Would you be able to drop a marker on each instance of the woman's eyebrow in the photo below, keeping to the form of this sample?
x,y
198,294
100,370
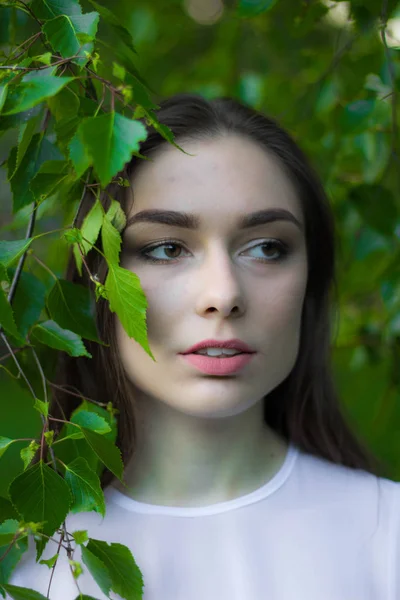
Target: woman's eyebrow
x,y
191,221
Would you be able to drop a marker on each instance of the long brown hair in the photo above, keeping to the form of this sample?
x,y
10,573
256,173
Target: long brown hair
x,y
305,408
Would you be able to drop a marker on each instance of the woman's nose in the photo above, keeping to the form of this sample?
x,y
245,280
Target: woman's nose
x,y
220,288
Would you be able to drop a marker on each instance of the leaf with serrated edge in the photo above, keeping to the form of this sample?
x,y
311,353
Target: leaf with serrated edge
x,y
4,444
111,240
126,577
51,334
41,495
98,570
110,140
91,420
128,300
107,452
32,91
21,593
85,487
11,250
7,320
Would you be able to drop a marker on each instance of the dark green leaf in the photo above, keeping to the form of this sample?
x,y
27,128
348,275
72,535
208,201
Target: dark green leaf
x,y
112,20
126,578
62,33
251,8
70,305
369,200
20,593
85,487
41,495
25,136
98,570
51,334
107,452
49,178
7,320
29,300
47,9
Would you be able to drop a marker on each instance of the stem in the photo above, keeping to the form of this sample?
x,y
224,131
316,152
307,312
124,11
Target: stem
x,y
75,221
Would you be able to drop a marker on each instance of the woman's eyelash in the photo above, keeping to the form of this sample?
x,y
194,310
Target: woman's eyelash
x,y
281,246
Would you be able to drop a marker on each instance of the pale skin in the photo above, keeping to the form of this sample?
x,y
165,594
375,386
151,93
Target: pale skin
x,y
202,439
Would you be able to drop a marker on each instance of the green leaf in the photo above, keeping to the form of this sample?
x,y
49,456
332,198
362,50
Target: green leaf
x,y
3,95
110,18
28,453
65,105
12,250
111,240
41,495
91,420
42,407
38,151
32,91
50,562
8,529
49,178
26,132
98,570
13,556
355,116
110,141
90,231
47,9
116,216
70,306
51,334
85,487
81,535
7,318
251,8
127,299
21,593
126,578
29,300
62,33
107,452
4,444
78,154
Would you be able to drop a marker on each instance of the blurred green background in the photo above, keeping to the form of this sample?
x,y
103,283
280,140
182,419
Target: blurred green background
x,y
324,71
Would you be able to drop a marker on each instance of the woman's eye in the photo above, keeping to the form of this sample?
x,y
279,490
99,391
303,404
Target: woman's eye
x,y
169,252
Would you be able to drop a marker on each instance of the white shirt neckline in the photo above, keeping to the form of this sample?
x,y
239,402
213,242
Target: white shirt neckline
x,y
114,495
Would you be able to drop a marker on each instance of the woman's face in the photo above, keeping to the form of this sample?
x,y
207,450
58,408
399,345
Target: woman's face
x,y
217,280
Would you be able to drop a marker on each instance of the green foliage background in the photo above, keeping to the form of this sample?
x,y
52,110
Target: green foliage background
x,y
334,86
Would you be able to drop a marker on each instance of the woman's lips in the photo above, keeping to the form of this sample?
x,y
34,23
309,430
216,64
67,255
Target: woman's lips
x,y
218,366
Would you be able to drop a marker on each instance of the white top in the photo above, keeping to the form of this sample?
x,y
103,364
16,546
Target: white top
x,y
315,531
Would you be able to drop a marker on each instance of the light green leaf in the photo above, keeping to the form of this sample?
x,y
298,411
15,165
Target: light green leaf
x,y
128,300
85,487
110,141
90,231
8,529
70,306
42,407
33,91
28,453
111,240
126,577
50,562
91,420
116,215
81,535
41,495
51,334
13,556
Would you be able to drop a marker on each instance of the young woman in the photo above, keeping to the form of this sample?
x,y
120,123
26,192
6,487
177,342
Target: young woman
x,y
243,480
